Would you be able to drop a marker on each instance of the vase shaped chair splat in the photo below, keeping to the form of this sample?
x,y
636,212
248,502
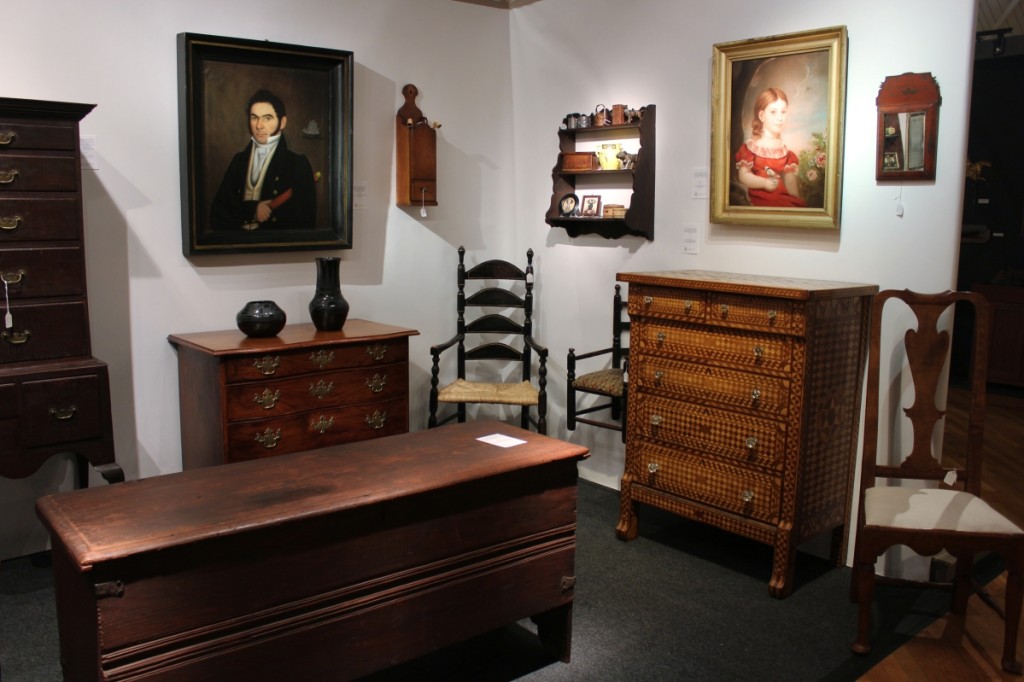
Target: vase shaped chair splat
x,y
495,351
935,503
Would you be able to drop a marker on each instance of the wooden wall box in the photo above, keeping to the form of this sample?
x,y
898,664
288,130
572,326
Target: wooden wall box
x,y
322,565
244,398
416,162
54,396
744,405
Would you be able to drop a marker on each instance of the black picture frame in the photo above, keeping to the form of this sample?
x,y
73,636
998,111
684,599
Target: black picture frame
x,y
568,205
217,76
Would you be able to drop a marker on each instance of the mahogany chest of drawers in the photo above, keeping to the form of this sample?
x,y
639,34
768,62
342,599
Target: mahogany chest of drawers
x,y
321,565
54,397
744,405
245,398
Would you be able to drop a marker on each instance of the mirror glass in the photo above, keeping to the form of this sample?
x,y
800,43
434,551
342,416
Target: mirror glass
x,y
904,141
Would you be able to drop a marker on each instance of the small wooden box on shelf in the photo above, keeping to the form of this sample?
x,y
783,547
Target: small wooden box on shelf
x,y
574,164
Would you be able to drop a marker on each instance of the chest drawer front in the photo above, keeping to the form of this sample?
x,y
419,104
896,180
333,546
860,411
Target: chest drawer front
x,y
771,314
722,433
317,391
48,172
293,363
747,350
46,331
61,410
739,490
316,429
28,219
36,273
19,135
676,303
764,394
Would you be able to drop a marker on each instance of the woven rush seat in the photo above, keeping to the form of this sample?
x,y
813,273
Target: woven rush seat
x,y
604,381
462,391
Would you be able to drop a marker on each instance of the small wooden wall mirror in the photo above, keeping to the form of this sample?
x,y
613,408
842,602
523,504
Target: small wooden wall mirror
x,y
908,127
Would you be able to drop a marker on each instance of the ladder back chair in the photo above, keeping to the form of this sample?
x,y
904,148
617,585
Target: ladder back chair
x,y
610,382
939,505
500,337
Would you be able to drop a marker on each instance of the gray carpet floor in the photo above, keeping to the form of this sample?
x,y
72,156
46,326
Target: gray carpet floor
x,y
681,602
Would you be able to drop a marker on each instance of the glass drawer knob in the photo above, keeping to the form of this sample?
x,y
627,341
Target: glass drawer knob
x,y
653,468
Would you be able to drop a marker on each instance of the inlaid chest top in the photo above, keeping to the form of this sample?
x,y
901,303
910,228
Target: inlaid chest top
x,y
761,285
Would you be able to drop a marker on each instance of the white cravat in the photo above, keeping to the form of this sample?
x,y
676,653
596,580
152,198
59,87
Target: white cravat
x,y
260,154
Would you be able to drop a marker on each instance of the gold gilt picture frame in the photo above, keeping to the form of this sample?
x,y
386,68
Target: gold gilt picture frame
x,y
778,106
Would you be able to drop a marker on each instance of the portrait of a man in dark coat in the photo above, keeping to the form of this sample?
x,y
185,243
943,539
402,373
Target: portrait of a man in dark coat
x,y
266,185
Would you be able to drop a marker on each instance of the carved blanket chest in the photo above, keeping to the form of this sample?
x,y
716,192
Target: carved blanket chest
x,y
744,405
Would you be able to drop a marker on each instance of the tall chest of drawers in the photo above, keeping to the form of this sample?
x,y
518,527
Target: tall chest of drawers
x,y
249,398
744,405
54,396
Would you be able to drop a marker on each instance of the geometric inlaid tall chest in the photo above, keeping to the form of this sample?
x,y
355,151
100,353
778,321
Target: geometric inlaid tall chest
x,y
744,405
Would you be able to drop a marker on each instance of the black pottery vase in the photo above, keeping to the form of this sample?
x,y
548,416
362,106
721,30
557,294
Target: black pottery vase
x,y
260,319
328,309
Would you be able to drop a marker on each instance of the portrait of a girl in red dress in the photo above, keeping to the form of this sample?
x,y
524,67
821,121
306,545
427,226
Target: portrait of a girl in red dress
x,y
764,165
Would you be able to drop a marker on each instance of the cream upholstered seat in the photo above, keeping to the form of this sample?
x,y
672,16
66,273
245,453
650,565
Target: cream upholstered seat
x,y
609,382
935,503
501,337
933,509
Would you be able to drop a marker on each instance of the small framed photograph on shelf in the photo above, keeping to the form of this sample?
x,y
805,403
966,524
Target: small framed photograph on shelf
x,y
569,205
591,207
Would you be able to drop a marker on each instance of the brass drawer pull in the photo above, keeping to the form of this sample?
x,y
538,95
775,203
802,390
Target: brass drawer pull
x,y
687,305
322,358
658,376
8,136
267,400
63,413
660,337
322,424
269,438
724,309
751,445
772,315
653,468
648,300
321,389
755,395
377,351
12,277
16,338
267,365
656,420
377,419
10,222
8,176
758,352
377,382
747,496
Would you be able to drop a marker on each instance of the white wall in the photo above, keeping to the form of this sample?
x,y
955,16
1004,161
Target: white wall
x,y
499,82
